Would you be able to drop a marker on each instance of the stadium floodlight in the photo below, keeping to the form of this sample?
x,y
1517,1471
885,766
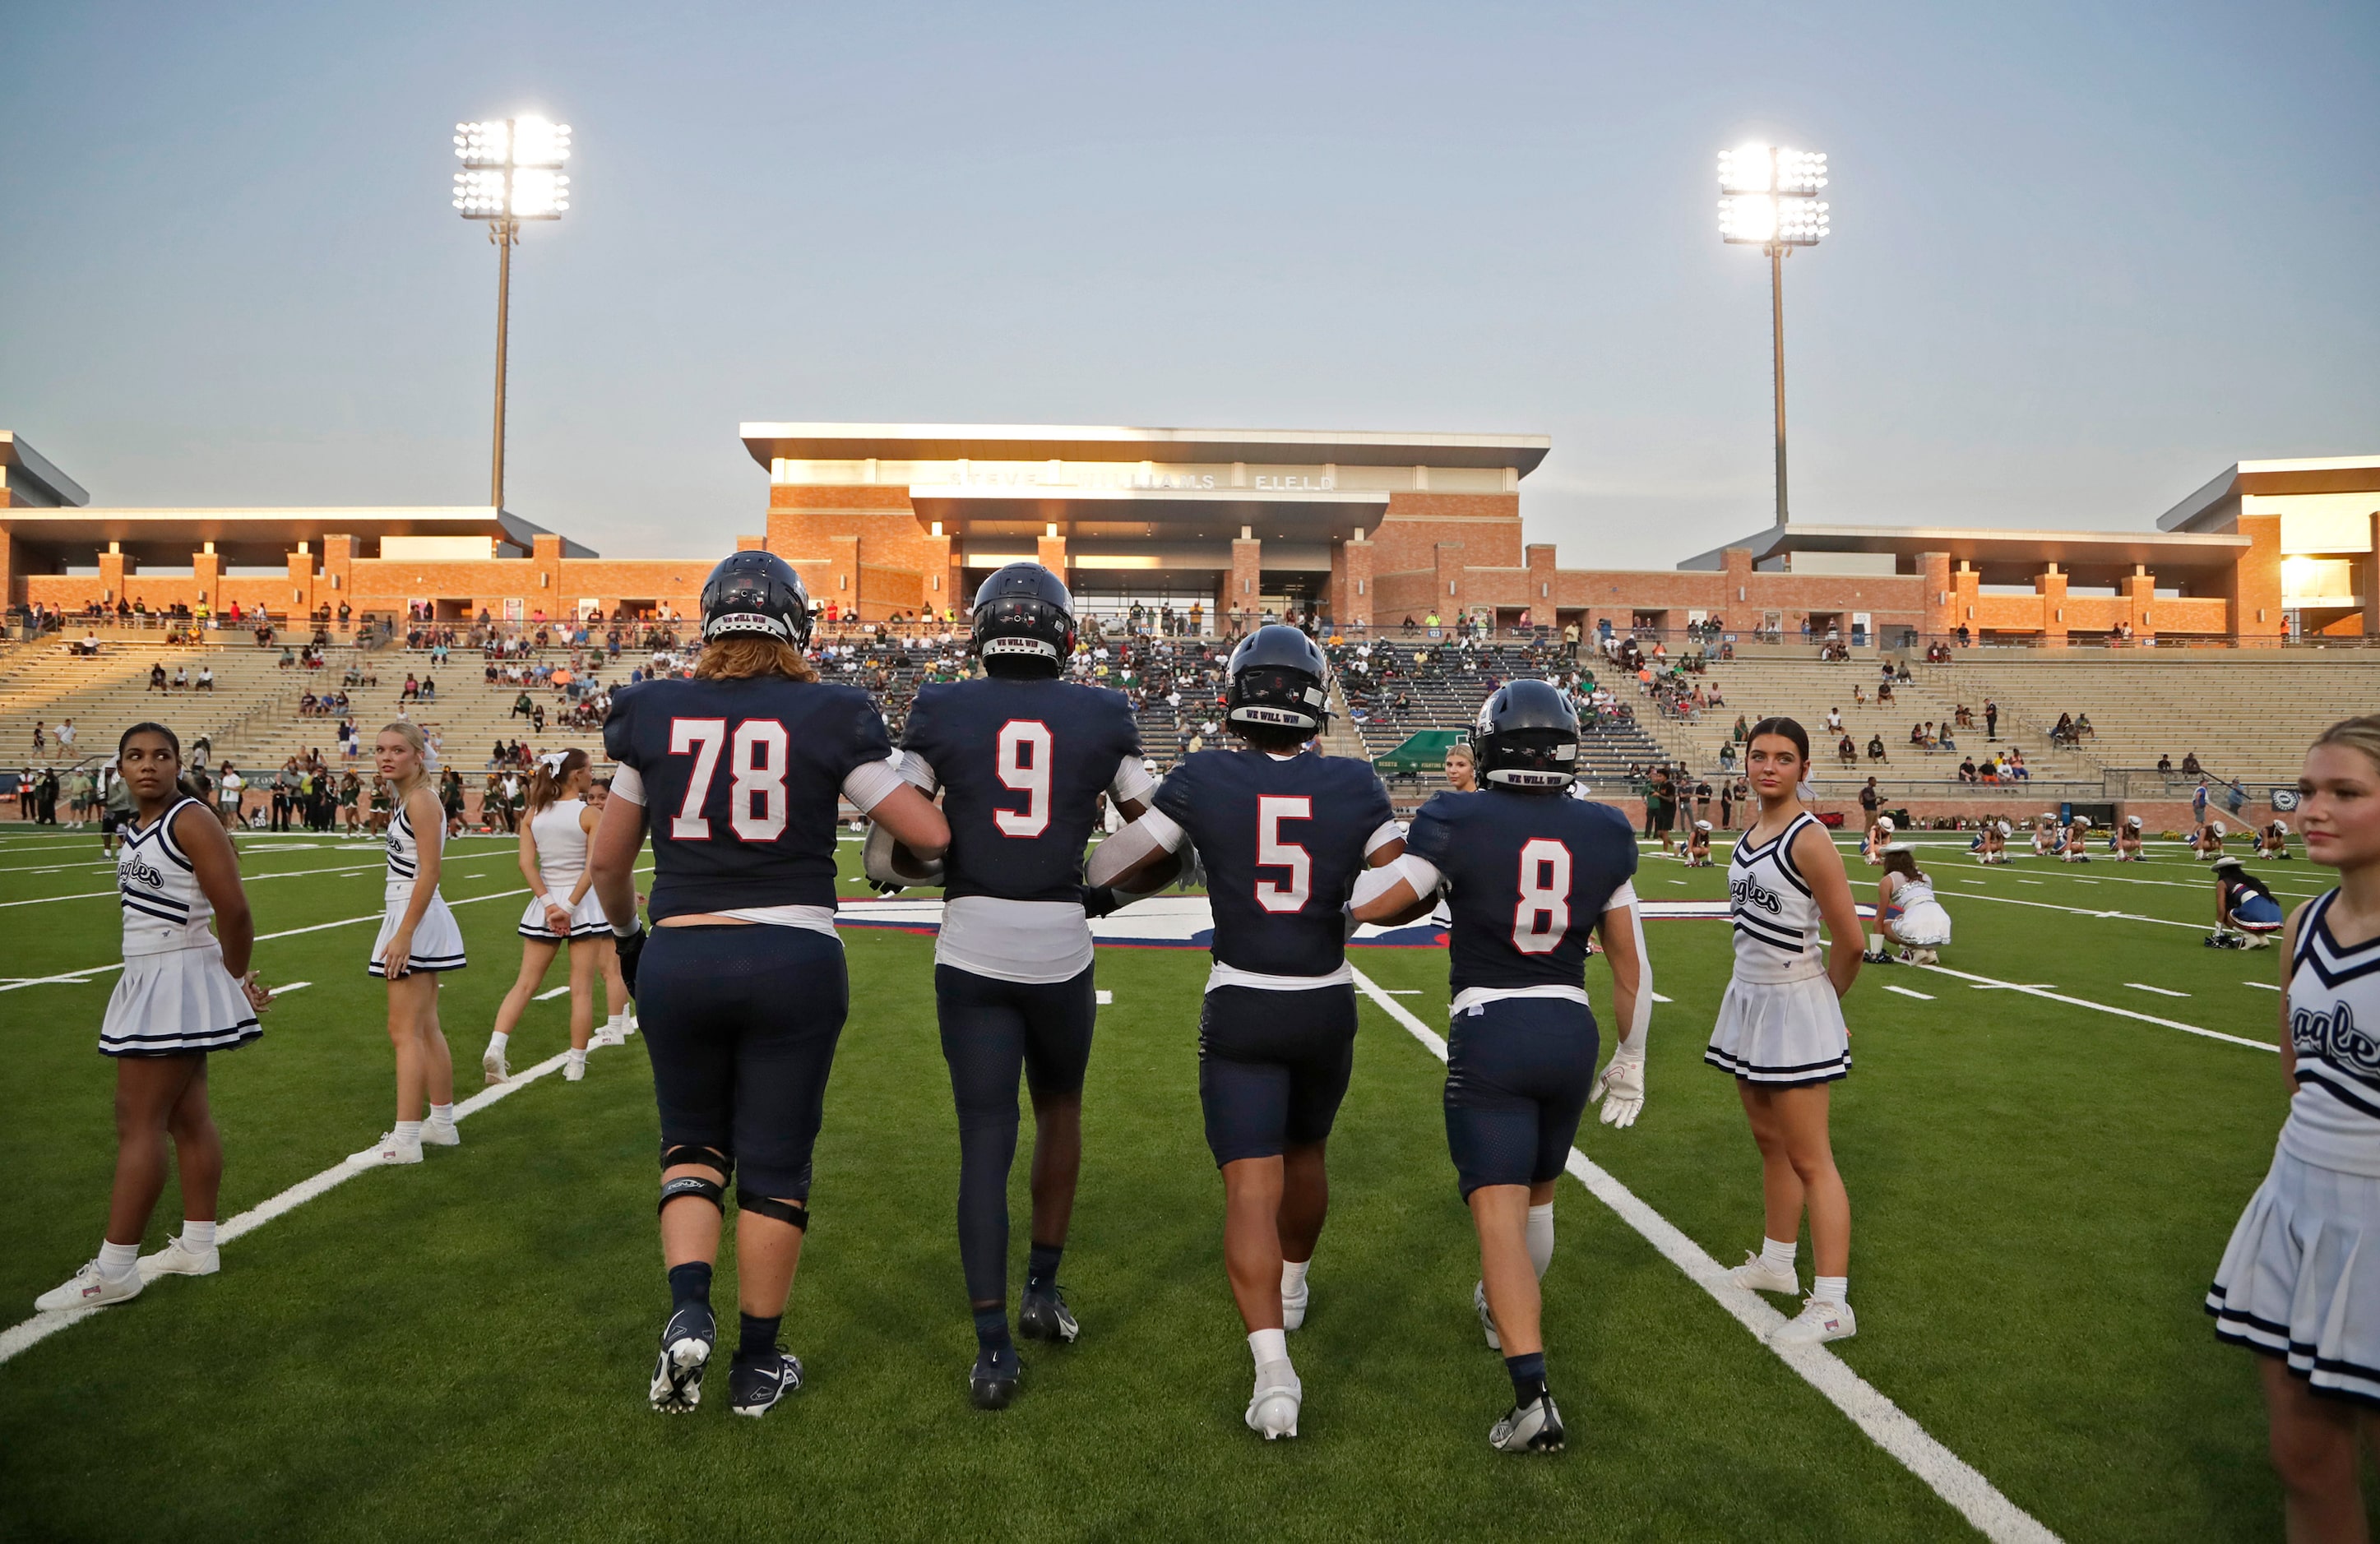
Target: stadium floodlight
x,y
1769,198
513,173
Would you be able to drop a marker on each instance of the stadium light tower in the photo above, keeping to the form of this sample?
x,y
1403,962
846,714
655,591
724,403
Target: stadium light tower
x,y
515,174
1769,198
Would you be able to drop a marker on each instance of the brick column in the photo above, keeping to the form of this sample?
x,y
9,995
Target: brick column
x,y
2369,590
301,582
1541,599
2051,586
842,587
1355,600
2140,597
115,570
11,593
1243,598
2254,589
206,568
1942,601
937,577
1446,581
1050,552
751,544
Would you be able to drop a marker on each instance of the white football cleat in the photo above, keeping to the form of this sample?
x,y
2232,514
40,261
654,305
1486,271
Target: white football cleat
x,y
1293,1309
88,1289
491,1062
1816,1323
1755,1274
1486,1319
387,1151
439,1133
178,1260
1272,1409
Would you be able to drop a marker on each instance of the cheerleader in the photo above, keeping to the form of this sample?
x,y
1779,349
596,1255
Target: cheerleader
x,y
1906,909
2046,840
2127,840
2071,847
1992,848
418,942
185,992
2209,841
562,908
619,1007
2275,843
2294,1283
1698,845
2246,915
1872,845
1780,1029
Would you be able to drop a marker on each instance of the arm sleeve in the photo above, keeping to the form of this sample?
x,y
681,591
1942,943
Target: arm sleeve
x,y
1132,780
1624,896
1382,834
918,772
629,784
1418,872
1153,832
869,783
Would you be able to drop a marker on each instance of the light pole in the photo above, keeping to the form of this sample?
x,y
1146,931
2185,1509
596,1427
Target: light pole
x,y
1769,198
514,175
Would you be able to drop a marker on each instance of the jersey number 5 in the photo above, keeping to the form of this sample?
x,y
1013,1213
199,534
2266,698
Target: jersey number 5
x,y
756,797
1024,765
1542,915
1273,852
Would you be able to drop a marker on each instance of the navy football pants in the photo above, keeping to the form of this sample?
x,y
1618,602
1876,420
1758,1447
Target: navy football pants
x,y
1273,1066
1518,1072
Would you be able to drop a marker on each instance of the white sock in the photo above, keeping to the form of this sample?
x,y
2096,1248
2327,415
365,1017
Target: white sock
x,y
618,1021
119,1260
1831,1289
409,1131
1876,942
1779,1255
1541,1237
198,1237
577,1056
1268,1346
443,1114
1292,1277
498,1041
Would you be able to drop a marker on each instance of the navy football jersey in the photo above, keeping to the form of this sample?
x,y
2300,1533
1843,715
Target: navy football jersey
x,y
741,781
1527,878
1282,842
1022,764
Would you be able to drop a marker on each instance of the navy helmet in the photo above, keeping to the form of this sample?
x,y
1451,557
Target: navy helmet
x,y
1023,621
1277,679
756,592
1527,737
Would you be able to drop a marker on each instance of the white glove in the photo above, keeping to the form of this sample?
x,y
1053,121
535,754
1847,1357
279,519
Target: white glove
x,y
1620,1089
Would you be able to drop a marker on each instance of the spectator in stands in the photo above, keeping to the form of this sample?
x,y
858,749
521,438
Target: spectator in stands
x,y
2014,767
1876,749
2191,767
157,676
2082,729
1884,689
1834,722
41,739
1847,752
1967,771
2165,762
1917,736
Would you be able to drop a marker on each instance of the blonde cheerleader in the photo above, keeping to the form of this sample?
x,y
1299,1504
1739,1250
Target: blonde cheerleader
x,y
186,991
562,908
2127,840
418,942
2073,847
1698,851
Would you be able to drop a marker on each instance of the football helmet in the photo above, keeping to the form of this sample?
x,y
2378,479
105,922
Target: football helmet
x,y
1278,678
1023,621
758,593
1527,737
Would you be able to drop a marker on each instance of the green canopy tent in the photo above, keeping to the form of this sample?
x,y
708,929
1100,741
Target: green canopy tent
x,y
1421,752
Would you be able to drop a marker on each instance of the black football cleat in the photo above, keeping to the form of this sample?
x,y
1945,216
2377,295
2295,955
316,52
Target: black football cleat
x,y
754,1388
993,1384
1045,1315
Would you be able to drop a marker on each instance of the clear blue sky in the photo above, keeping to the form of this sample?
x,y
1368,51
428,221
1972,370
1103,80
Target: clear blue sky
x,y
2085,255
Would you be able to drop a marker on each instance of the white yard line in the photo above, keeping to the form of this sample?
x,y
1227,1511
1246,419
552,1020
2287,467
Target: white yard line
x,y
41,1326
245,879
1988,982
2087,911
2266,986
1921,996
544,997
2160,991
1885,1423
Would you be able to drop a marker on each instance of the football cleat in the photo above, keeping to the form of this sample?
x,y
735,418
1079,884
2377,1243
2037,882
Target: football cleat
x,y
993,1384
1486,1318
1045,1315
687,1341
439,1133
491,1062
1293,1309
388,1149
754,1388
1273,1409
1534,1427
1816,1323
1755,1274
88,1289
176,1259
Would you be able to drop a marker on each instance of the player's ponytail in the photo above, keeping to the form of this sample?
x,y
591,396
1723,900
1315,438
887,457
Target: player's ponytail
x,y
554,773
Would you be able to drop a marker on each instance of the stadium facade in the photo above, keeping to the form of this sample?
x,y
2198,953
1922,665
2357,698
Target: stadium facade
x,y
894,520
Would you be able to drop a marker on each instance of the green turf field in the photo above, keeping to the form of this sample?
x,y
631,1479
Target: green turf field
x,y
2040,1191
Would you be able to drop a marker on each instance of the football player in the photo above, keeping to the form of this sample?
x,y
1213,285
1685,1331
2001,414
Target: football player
x,y
740,769
1531,874
1282,832
1022,758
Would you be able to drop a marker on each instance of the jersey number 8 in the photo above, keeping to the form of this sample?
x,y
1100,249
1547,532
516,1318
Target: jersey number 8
x,y
756,797
1545,897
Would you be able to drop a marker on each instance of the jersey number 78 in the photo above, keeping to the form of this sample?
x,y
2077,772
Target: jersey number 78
x,y
755,796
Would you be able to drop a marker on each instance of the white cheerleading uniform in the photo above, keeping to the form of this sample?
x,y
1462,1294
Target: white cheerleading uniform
x,y
1916,917
2293,1283
1781,1024
176,996
561,859
437,942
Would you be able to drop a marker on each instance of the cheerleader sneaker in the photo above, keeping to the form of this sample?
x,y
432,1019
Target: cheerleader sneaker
x,y
387,1151
1757,1274
491,1062
574,1069
1816,1324
177,1258
439,1133
91,1289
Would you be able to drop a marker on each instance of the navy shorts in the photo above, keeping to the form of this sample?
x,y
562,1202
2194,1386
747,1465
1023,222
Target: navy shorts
x,y
741,1024
1518,1071
1273,1066
991,1029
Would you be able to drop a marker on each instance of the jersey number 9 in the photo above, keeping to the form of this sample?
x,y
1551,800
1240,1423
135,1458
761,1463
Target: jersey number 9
x,y
755,796
1024,765
1542,916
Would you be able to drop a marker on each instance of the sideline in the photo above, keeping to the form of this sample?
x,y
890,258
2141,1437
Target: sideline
x,y
1885,1423
24,1336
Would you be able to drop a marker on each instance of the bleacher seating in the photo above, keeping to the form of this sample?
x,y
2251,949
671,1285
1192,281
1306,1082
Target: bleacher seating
x,y
1406,686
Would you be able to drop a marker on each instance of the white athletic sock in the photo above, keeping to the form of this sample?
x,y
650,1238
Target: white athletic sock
x,y
409,1131
1268,1346
119,1260
1293,1276
577,1056
443,1114
498,1041
1541,1237
1831,1289
618,1021
198,1237
1876,942
1779,1255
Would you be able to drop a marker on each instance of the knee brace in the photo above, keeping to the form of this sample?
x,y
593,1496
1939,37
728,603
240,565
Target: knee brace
x,y
712,1190
768,1206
